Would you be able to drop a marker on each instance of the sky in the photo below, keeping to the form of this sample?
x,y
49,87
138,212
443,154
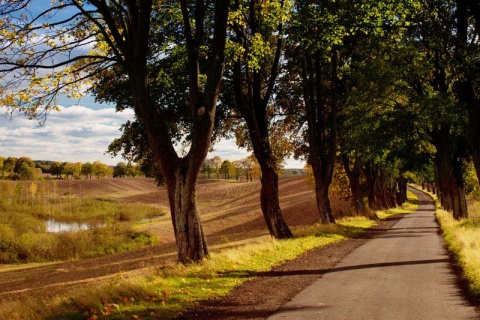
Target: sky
x,y
81,132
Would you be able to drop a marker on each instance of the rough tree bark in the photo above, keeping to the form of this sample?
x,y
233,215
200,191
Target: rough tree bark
x,y
321,114
466,90
353,173
259,137
448,162
371,174
401,190
253,90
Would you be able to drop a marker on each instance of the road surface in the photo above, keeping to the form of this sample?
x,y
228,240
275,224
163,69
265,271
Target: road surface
x,y
402,274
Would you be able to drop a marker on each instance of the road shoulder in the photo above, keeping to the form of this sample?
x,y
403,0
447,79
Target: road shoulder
x,y
262,296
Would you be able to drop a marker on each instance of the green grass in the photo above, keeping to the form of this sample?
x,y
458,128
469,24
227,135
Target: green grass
x,y
462,238
23,236
33,246
164,292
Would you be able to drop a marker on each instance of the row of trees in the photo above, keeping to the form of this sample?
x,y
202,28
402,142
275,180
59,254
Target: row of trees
x,y
24,168
226,169
386,87
77,170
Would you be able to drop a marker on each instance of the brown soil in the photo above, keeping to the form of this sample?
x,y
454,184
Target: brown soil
x,y
231,216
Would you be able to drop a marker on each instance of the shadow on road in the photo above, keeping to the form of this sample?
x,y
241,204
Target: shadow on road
x,y
280,273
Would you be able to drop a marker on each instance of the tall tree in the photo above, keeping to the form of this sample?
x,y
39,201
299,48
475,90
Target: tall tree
x,y
216,164
130,42
317,64
257,44
467,16
429,64
328,39
87,170
120,170
101,170
68,169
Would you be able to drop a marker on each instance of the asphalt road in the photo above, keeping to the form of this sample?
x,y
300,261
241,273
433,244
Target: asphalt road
x,y
403,273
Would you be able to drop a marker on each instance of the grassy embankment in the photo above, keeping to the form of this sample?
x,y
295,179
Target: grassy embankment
x,y
463,242
24,208
164,292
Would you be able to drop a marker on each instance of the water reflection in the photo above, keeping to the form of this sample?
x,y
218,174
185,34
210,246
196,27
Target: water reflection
x,y
54,226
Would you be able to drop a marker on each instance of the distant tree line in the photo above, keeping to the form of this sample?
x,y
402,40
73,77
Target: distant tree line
x,y
24,168
245,169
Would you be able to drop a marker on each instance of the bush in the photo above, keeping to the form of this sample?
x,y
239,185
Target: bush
x,y
23,236
41,247
7,244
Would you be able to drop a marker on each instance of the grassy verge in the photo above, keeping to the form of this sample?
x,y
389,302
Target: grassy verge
x,y
462,238
164,292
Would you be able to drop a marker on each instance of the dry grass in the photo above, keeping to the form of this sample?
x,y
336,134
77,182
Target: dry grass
x,y
462,238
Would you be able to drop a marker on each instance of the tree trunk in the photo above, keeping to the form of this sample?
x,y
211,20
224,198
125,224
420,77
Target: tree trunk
x,y
468,96
448,161
181,174
389,200
321,113
459,203
353,174
189,235
253,92
371,173
474,138
270,204
465,87
401,190
323,201
381,192
269,197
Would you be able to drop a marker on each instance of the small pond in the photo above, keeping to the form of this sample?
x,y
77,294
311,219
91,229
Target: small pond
x,y
54,226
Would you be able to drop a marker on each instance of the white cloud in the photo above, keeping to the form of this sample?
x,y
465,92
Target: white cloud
x,y
81,134
74,134
228,150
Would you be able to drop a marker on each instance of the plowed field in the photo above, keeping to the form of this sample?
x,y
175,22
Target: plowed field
x,y
230,212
